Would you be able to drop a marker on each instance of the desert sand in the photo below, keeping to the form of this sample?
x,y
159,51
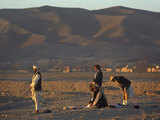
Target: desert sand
x,y
16,103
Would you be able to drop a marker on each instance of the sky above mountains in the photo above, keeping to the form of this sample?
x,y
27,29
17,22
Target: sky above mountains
x,y
151,5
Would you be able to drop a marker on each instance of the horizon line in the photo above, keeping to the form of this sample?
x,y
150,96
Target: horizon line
x,y
77,8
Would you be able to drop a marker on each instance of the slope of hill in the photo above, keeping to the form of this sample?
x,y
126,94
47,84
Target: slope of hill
x,y
111,35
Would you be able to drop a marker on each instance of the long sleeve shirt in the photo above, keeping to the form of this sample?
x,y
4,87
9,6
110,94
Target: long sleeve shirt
x,y
98,78
122,81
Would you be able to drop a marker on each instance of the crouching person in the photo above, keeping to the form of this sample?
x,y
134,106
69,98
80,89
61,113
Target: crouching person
x,y
36,88
98,98
125,85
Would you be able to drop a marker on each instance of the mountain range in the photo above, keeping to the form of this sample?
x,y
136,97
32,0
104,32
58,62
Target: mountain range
x,y
74,35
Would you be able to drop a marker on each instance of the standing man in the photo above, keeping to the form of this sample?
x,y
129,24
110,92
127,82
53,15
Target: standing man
x,y
125,85
36,87
98,98
98,77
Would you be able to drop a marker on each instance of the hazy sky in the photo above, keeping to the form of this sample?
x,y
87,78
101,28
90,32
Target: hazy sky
x,y
152,5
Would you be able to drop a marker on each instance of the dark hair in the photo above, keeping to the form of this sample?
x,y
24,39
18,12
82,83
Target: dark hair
x,y
97,66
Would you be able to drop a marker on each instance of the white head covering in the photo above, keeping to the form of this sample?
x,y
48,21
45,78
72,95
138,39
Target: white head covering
x,y
35,67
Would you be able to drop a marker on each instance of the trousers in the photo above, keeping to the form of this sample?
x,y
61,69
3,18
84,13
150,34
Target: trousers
x,y
36,97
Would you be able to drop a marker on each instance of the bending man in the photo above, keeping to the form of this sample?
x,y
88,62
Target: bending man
x,y
125,85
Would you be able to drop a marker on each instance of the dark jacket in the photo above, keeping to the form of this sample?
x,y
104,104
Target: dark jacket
x,y
97,93
123,82
98,78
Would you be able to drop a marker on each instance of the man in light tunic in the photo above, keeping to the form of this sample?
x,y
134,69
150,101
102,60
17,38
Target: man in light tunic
x,y
36,88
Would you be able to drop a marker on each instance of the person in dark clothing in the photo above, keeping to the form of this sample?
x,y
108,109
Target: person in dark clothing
x,y
98,98
98,77
124,84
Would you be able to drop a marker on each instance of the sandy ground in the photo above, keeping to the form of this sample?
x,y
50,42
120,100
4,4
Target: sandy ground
x,y
16,103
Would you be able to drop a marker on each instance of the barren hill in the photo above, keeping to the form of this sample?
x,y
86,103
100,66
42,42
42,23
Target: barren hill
x,y
111,35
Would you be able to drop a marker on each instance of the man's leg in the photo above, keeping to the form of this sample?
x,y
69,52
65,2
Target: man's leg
x,y
37,102
34,99
125,96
